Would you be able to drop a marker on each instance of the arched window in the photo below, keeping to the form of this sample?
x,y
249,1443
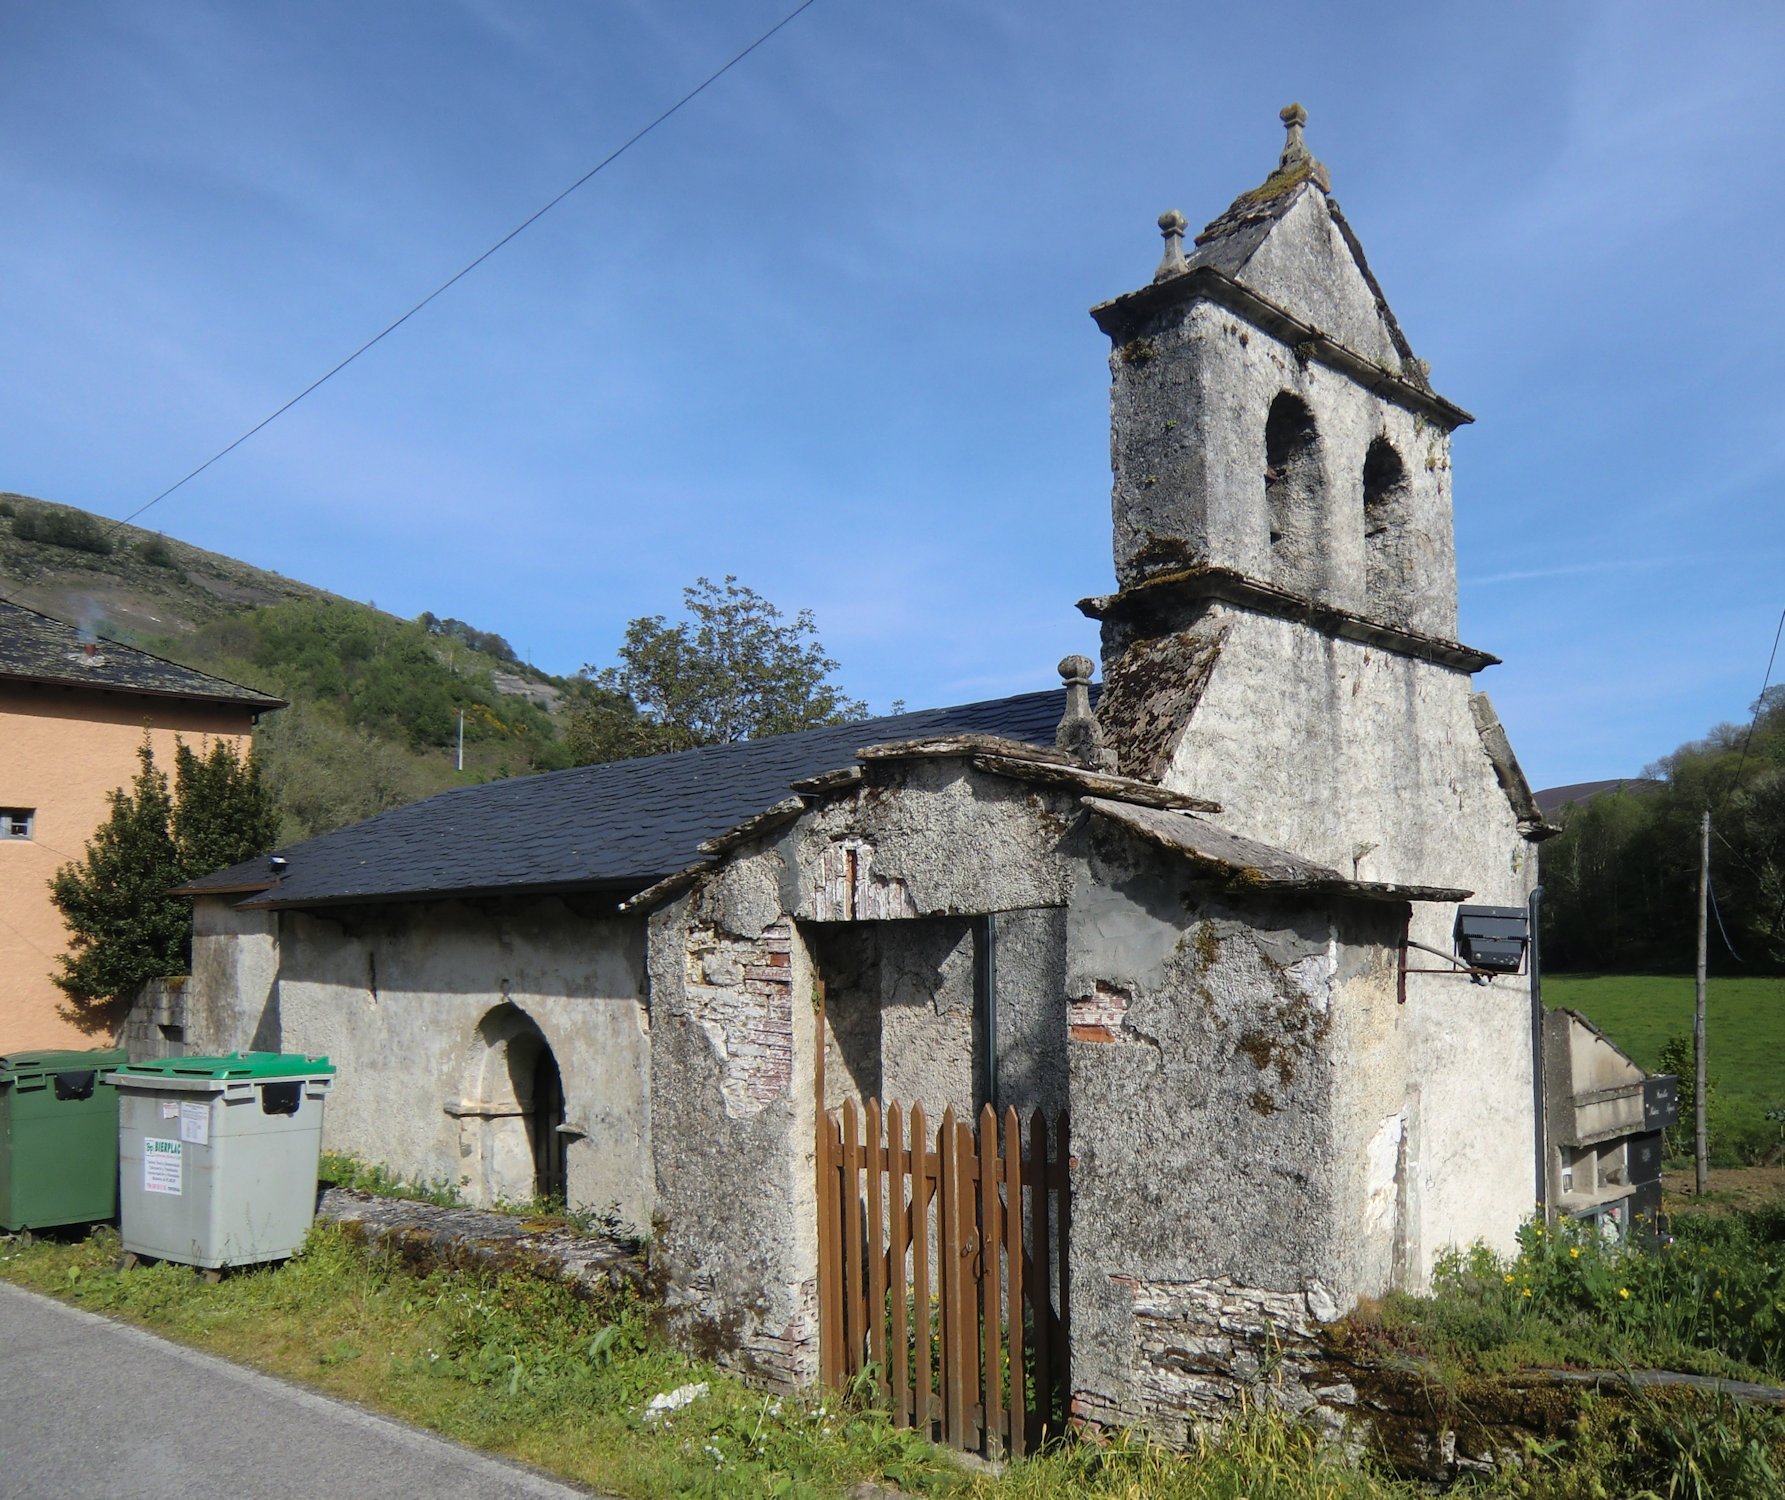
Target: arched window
x,y
1292,490
1387,563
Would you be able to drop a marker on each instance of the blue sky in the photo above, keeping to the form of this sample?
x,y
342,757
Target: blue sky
x,y
826,328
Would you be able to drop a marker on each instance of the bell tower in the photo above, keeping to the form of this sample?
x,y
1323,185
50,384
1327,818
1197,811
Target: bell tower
x,y
1269,419
1283,635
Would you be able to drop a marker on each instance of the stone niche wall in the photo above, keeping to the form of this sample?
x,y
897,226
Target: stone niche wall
x,y
433,1012
418,1005
1212,1183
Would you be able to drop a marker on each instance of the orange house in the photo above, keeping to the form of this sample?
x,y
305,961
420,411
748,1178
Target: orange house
x,y
72,713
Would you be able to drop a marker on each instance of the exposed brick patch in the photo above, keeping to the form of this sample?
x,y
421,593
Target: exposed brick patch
x,y
1100,1016
749,1022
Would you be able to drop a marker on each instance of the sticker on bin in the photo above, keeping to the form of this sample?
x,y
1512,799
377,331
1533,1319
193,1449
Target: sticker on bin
x,y
170,1109
195,1123
162,1166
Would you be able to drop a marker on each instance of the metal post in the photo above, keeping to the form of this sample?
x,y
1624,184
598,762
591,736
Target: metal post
x,y
1700,1163
461,765
1539,1114
988,989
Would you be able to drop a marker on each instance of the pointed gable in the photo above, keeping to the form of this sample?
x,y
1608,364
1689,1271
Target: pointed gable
x,y
1287,241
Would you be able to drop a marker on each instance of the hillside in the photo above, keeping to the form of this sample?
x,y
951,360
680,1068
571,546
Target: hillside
x,y
375,700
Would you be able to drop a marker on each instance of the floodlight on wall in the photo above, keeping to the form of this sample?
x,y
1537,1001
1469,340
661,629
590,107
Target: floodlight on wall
x,y
1490,940
1493,939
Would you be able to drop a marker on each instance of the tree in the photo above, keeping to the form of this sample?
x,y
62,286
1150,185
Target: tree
x,y
736,669
124,925
1620,884
223,812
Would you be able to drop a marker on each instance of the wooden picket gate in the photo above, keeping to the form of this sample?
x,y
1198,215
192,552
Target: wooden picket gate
x,y
942,1270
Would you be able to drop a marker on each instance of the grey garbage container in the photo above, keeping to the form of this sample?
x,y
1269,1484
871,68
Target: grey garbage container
x,y
217,1156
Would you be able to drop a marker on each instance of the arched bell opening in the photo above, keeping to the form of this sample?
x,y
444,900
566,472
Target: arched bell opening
x,y
1294,491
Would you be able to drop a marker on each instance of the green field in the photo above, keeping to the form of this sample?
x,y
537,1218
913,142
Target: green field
x,y
1744,1023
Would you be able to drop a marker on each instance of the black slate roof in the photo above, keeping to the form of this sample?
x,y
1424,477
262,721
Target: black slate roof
x,y
616,827
36,648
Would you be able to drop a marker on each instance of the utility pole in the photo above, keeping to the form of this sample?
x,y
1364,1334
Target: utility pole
x,y
1701,1166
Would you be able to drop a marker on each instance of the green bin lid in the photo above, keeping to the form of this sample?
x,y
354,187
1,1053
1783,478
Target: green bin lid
x,y
235,1066
18,1065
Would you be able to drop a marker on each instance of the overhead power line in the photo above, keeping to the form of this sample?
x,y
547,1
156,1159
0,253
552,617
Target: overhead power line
x,y
1759,703
470,266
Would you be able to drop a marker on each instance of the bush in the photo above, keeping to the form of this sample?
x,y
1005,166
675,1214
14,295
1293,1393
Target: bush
x,y
1711,1301
155,552
73,529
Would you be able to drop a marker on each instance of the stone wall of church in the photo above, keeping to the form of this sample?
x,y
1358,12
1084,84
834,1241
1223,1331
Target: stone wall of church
x,y
1223,1203
1371,762
434,1013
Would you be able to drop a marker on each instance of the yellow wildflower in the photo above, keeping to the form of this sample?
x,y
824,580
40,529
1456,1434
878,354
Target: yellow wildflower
x,y
1574,1252
1509,1278
1526,1292
1624,1292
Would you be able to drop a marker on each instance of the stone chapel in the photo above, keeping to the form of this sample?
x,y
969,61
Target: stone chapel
x,y
1216,918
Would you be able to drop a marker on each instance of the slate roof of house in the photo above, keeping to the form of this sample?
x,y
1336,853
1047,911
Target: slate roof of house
x,y
36,648
617,827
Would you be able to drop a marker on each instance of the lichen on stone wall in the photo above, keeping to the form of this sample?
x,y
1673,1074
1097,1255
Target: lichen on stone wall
x,y
1149,695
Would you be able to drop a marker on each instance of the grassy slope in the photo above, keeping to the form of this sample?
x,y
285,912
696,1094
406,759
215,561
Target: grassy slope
x,y
181,607
1744,1021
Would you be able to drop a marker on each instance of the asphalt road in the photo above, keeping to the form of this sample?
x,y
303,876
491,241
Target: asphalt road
x,y
89,1407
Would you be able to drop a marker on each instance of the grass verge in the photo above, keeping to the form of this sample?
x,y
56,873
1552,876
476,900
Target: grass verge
x,y
537,1371
563,1379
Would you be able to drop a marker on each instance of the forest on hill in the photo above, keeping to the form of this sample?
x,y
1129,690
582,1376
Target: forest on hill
x,y
1620,884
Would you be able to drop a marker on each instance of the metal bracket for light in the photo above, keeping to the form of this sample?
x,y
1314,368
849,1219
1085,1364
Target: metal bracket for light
x,y
1491,940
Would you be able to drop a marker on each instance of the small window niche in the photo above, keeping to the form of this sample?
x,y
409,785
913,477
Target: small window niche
x,y
17,822
1293,495
1388,563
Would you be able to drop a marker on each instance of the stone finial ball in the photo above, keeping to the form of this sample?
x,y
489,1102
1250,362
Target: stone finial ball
x,y
1077,669
1172,222
1293,114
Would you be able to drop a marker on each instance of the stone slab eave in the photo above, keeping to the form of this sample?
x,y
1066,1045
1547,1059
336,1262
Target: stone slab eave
x,y
1020,762
1246,864
1161,598
1533,827
1123,317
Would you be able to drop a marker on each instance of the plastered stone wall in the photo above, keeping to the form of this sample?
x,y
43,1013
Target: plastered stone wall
x,y
905,1010
416,1005
734,1118
231,1001
883,891
1371,762
1220,1198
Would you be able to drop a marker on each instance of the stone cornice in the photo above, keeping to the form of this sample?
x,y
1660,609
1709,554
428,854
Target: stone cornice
x,y
1123,317
1162,599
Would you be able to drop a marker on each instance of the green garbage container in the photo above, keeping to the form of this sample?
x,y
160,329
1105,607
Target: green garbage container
x,y
217,1156
58,1138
